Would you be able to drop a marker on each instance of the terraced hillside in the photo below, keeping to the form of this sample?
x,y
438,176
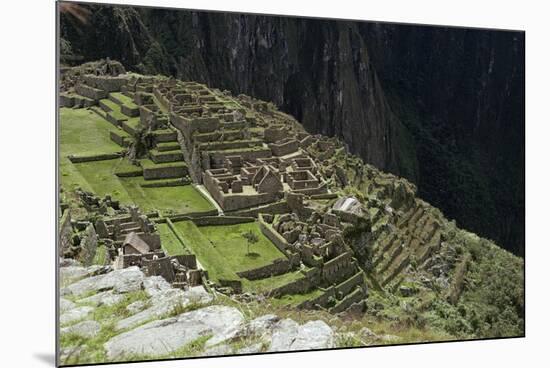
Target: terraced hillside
x,y
200,187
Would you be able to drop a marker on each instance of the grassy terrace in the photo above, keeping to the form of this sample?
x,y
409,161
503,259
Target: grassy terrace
x,y
270,283
81,132
84,132
100,177
222,251
116,112
295,299
124,99
170,243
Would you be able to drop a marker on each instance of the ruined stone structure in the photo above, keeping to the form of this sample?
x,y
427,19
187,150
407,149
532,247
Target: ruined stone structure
x,y
255,162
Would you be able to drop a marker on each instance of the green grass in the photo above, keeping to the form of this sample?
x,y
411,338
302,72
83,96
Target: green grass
x,y
100,255
222,250
133,123
169,241
81,132
107,316
116,111
270,283
295,299
99,177
148,164
124,99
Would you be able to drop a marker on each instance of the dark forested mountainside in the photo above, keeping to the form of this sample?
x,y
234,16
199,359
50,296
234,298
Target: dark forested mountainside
x,y
443,107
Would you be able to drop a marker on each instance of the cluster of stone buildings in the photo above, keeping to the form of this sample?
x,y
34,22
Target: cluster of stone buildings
x,y
253,160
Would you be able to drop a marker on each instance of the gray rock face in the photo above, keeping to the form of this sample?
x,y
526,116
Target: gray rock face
x,y
73,351
135,307
165,336
389,338
85,329
74,314
71,273
252,349
164,302
121,281
155,284
262,325
288,335
65,262
104,298
65,305
218,350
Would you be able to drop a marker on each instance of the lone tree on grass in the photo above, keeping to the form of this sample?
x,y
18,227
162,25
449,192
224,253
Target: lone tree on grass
x,y
251,239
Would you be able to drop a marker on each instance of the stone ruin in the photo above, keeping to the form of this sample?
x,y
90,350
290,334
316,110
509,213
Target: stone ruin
x,y
253,160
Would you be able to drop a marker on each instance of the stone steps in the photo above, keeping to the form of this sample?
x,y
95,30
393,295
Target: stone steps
x,y
165,136
120,137
382,254
166,156
406,217
127,106
397,266
412,222
130,126
395,252
423,253
171,170
168,146
420,225
377,242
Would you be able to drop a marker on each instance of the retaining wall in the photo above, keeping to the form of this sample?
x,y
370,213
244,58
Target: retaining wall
x,y
277,267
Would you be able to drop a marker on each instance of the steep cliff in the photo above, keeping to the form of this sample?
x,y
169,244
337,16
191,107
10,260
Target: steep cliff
x,y
442,107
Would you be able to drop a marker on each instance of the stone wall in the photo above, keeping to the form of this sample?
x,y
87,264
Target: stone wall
x,y
99,157
320,301
278,207
90,92
356,296
221,220
164,172
345,287
65,233
66,100
88,246
187,260
106,83
159,267
337,267
270,233
192,215
300,286
236,285
277,267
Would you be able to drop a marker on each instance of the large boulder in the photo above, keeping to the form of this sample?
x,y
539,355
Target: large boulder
x,y
165,336
164,302
288,335
108,297
65,305
121,281
155,284
84,329
69,274
75,314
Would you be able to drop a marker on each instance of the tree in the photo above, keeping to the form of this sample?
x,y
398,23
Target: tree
x,y
251,239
